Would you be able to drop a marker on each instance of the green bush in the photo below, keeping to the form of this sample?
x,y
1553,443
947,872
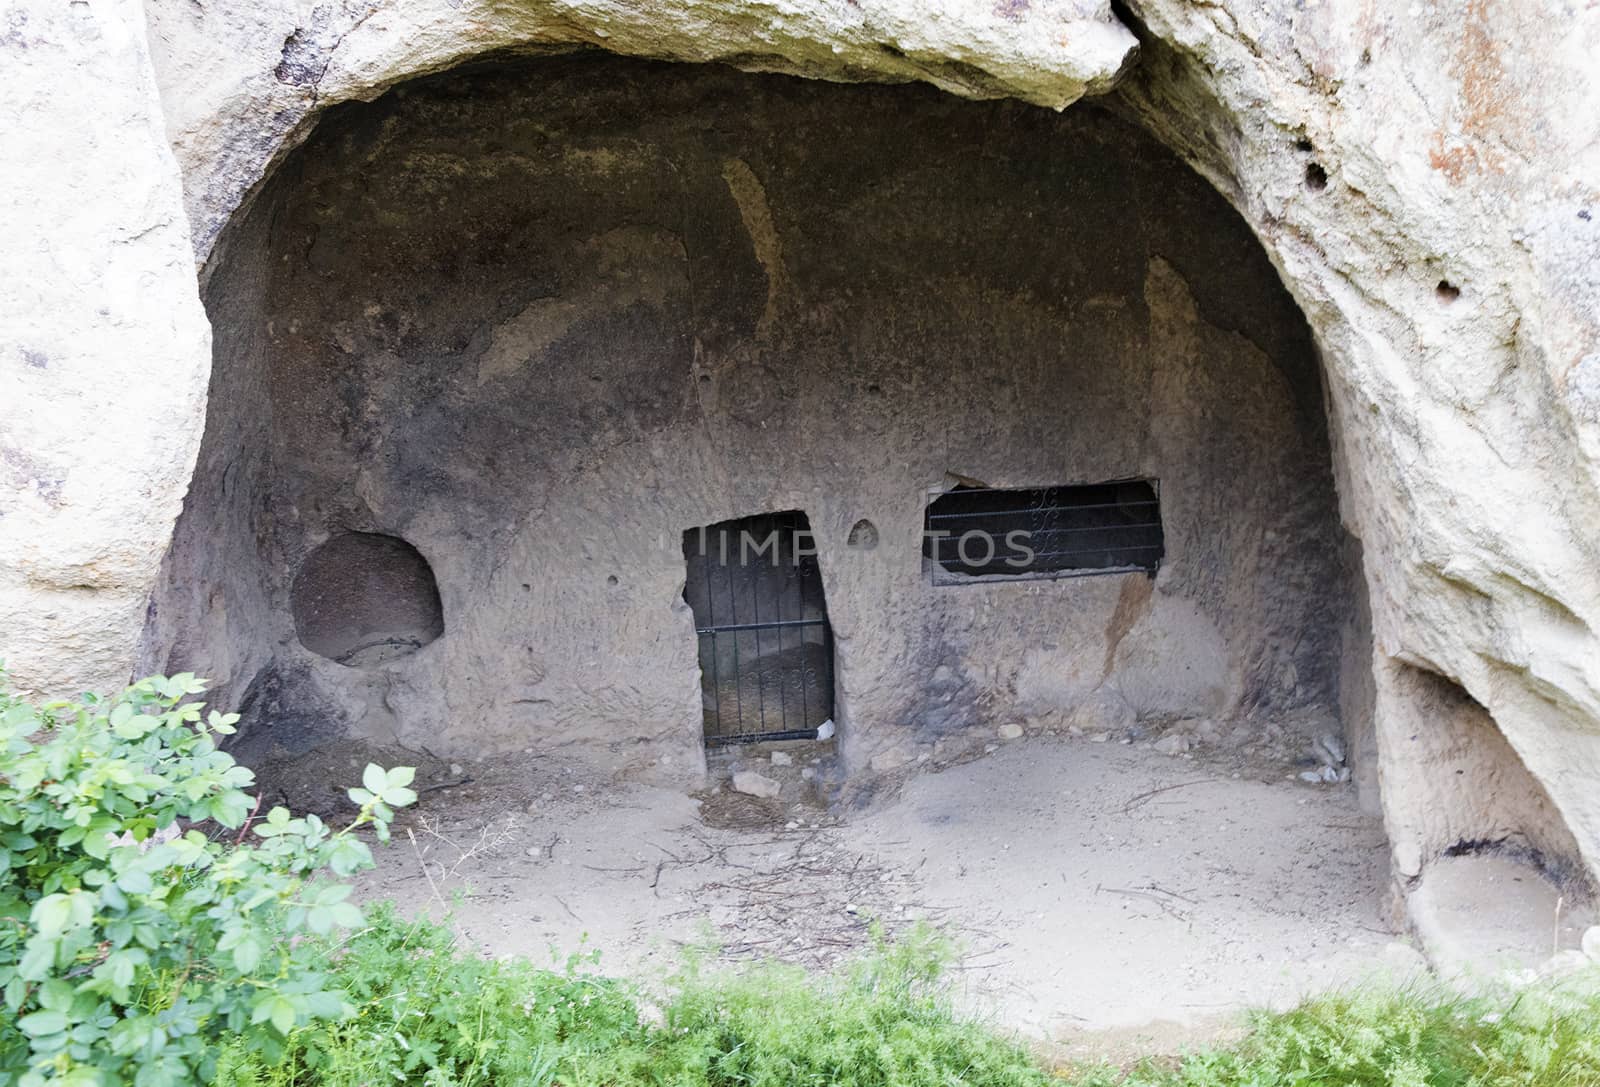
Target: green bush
x,y
127,955
424,1011
1546,1036
882,1021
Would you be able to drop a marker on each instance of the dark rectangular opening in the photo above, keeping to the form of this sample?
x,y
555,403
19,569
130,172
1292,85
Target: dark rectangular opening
x,y
1021,532
766,649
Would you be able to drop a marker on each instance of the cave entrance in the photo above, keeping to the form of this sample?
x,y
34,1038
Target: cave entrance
x,y
761,620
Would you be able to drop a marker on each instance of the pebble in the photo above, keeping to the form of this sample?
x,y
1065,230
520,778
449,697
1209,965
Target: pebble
x,y
782,758
791,825
753,784
455,770
536,851
989,749
578,788
1009,731
807,774
1100,737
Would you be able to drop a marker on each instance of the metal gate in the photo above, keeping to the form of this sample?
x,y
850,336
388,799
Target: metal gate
x,y
766,650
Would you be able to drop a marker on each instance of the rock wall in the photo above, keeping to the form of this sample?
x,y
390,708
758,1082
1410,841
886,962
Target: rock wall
x,y
539,321
104,349
1419,178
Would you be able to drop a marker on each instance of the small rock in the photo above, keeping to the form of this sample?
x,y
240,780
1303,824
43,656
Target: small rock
x,y
825,730
1009,731
791,825
1591,942
753,784
533,807
1408,859
1333,746
1173,743
455,770
547,797
1311,777
850,907
536,851
782,758
1100,737
807,774
989,749
579,788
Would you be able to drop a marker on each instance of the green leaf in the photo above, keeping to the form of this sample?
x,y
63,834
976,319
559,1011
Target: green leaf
x,y
277,1009
398,796
373,778
247,955
51,914
48,1021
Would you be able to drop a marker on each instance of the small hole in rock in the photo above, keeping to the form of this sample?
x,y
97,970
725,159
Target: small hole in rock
x,y
1302,144
1448,292
611,579
705,379
1316,177
362,599
863,536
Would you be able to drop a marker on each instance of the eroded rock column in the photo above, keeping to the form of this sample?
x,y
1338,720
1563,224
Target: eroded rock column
x,y
104,348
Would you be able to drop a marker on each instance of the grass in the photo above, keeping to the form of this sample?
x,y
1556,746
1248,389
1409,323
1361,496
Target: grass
x,y
424,1012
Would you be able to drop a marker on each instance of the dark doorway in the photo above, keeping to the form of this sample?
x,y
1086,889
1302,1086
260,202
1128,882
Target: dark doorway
x,y
766,650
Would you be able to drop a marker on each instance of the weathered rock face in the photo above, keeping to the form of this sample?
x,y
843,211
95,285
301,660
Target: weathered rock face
x,y
540,321
1408,175
104,349
1418,177
241,81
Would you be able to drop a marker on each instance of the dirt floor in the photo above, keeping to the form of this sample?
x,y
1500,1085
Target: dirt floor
x,y
1092,886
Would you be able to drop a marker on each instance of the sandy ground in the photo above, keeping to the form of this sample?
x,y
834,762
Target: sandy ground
x,y
1091,886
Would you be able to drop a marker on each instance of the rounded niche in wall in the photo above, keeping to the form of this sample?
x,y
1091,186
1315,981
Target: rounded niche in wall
x,y
362,599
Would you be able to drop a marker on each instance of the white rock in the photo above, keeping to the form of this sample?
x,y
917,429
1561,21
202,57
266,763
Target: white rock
x,y
782,758
1173,743
754,784
825,730
1009,731
456,770
807,774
